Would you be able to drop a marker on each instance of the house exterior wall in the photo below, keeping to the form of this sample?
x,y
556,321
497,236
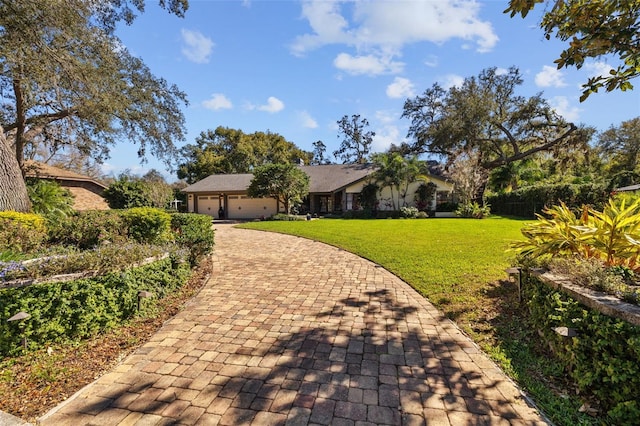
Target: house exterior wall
x,y
389,198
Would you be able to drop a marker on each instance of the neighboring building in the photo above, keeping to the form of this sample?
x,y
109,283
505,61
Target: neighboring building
x,y
333,188
87,191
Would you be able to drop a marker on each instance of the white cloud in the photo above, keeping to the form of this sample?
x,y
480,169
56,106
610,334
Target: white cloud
x,y
387,26
366,65
550,77
387,133
431,61
562,106
452,80
307,121
217,102
400,88
272,106
197,47
598,69
501,71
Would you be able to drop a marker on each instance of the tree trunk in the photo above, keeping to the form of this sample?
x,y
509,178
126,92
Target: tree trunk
x,y
13,190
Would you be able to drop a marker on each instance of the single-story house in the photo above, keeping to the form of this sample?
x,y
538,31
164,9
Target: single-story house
x,y
87,191
333,188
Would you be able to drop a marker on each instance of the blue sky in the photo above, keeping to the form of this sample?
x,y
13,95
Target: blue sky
x,y
297,67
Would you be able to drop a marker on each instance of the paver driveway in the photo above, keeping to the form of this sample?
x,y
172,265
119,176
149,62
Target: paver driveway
x,y
291,331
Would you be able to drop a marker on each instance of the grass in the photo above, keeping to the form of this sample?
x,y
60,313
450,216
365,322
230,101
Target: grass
x,y
459,265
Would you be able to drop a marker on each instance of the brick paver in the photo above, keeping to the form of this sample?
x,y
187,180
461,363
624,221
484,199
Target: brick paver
x,y
289,331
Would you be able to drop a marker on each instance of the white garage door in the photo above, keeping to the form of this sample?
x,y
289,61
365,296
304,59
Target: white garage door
x,y
243,207
208,205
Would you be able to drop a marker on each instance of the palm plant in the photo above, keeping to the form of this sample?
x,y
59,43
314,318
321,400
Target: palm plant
x,y
49,199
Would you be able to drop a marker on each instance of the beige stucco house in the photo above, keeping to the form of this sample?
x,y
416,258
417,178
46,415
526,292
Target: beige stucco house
x,y
333,188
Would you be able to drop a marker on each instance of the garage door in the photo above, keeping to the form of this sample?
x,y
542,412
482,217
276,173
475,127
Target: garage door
x,y
243,207
208,205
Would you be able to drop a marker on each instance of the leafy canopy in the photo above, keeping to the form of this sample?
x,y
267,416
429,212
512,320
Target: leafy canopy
x,y
285,182
66,79
226,150
593,29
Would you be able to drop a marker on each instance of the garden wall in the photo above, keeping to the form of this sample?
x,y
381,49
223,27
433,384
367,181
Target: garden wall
x,y
603,356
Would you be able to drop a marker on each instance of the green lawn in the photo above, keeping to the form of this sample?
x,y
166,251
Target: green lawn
x,y
450,261
459,265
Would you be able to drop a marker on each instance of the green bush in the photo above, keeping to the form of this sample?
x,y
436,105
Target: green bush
x,y
602,358
50,200
286,217
148,225
409,212
528,201
89,229
78,309
21,232
126,193
473,210
194,232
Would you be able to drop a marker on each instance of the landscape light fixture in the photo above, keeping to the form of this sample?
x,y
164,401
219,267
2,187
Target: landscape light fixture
x,y
143,295
21,316
516,273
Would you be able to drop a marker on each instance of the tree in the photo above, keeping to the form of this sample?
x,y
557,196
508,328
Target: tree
x,y
319,154
127,192
285,182
486,121
356,143
594,28
13,190
157,190
397,172
468,178
226,150
66,79
620,146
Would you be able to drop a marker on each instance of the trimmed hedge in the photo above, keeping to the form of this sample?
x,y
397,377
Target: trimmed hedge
x,y
527,201
194,232
88,229
21,232
79,309
603,359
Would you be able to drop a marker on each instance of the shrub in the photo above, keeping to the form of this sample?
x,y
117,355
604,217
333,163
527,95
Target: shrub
x,y
528,201
88,229
448,206
601,359
422,215
286,217
49,199
409,212
609,235
473,210
79,309
126,193
194,232
148,224
21,232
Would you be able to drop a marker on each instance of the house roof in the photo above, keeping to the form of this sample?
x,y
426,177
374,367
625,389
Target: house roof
x,y
331,177
45,171
221,183
322,179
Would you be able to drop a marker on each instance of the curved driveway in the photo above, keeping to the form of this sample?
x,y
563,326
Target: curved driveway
x,y
291,331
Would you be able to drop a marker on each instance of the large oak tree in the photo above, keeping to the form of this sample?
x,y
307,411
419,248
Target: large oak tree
x,y
65,79
593,29
226,150
486,120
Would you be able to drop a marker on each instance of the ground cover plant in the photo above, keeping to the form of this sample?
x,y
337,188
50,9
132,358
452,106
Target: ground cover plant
x,y
459,265
80,281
